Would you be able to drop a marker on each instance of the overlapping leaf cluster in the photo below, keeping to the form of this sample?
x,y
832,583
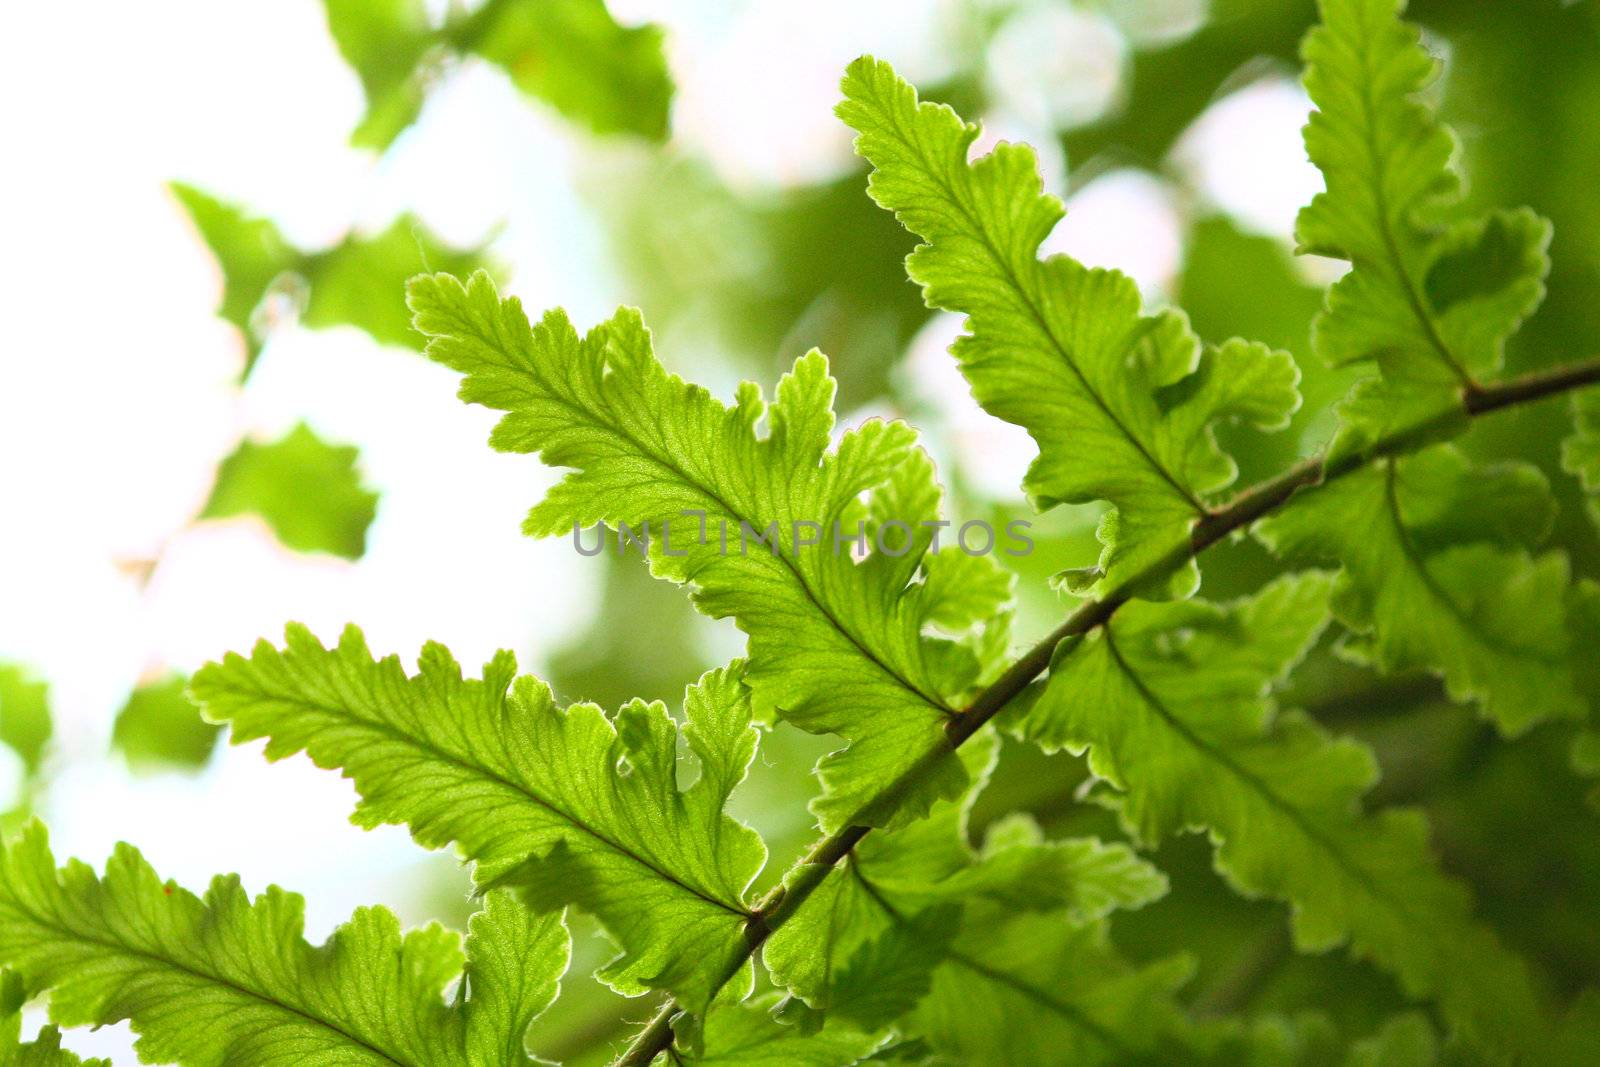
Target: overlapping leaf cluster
x,y
898,938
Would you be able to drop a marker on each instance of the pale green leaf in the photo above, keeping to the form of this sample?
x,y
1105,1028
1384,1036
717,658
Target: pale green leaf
x,y
222,981
307,490
1121,404
1437,569
159,727
386,43
567,803
573,55
836,646
1171,702
1432,293
25,724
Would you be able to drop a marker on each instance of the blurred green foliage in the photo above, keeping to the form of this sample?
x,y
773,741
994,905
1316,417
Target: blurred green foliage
x,y
307,490
359,282
569,53
24,716
159,729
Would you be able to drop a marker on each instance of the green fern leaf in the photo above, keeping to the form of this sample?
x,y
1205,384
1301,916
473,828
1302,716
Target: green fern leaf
x,y
1437,569
1170,700
530,792
1433,293
358,282
1121,404
835,646
911,927
221,980
307,490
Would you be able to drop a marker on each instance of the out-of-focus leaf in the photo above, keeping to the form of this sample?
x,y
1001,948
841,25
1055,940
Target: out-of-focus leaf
x,y
571,54
307,490
24,715
764,276
158,728
1169,87
1580,453
385,42
575,57
359,282
603,663
1405,1041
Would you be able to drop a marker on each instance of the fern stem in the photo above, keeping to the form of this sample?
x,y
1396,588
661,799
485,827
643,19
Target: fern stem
x,y
1238,514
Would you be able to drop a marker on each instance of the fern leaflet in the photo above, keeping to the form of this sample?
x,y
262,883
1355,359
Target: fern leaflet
x,y
1120,404
530,792
222,980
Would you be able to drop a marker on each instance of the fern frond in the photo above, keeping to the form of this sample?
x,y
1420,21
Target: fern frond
x,y
533,794
919,927
1170,700
1120,404
836,646
1433,292
1438,569
223,981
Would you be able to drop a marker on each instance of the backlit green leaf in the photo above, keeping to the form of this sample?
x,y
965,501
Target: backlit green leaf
x,y
534,794
221,980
